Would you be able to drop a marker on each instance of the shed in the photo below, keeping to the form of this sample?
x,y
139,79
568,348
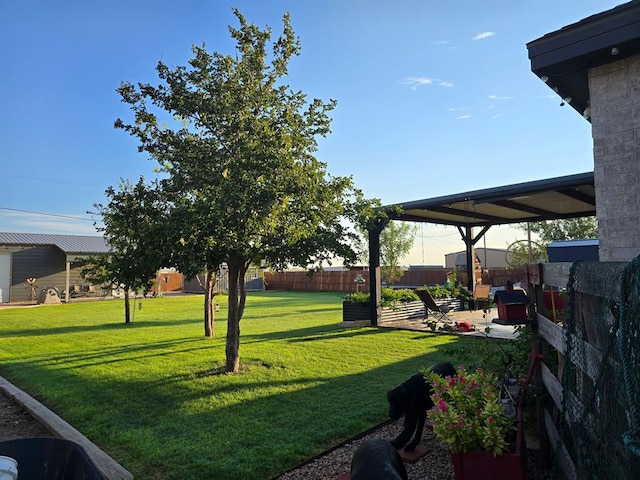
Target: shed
x,y
53,260
573,250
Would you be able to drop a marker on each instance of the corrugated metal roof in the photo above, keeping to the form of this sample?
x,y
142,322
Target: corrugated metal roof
x,y
66,243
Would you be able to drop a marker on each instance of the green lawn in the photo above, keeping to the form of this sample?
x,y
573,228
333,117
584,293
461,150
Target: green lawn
x,y
152,393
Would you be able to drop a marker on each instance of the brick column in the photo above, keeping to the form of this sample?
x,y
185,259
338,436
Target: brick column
x,y
615,119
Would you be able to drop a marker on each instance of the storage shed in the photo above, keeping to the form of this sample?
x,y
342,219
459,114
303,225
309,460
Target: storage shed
x,y
53,260
573,250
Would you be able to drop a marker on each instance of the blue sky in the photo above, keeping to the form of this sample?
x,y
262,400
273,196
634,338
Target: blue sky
x,y
434,98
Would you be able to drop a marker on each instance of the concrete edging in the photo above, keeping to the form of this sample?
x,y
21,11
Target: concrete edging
x,y
111,469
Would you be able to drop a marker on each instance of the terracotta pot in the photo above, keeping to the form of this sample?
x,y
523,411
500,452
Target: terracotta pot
x,y
484,466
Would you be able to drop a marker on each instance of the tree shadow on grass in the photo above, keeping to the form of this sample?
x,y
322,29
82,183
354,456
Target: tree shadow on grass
x,y
62,330
203,424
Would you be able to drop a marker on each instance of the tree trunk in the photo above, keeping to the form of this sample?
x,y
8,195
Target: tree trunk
x,y
237,297
209,315
127,306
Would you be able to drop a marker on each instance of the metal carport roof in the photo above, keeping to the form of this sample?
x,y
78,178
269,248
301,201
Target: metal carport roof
x,y
569,196
69,244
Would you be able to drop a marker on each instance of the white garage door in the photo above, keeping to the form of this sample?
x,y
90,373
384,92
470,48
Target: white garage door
x,y
5,277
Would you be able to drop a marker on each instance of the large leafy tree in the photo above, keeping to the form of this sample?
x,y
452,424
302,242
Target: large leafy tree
x,y
522,252
567,229
240,162
134,222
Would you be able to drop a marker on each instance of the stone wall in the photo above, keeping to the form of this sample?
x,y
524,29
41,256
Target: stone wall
x,y
615,119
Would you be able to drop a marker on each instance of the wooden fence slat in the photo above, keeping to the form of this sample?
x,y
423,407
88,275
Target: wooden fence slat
x,y
591,355
564,459
551,332
556,274
601,285
552,384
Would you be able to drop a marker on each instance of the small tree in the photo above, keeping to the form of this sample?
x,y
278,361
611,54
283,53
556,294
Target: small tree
x,y
133,227
396,241
240,165
191,247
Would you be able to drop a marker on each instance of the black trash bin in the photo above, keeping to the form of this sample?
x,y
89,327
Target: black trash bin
x,y
50,458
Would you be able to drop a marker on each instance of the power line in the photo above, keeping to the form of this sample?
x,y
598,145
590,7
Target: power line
x,y
47,214
49,180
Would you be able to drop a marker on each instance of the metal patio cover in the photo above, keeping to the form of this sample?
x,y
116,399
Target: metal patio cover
x,y
570,196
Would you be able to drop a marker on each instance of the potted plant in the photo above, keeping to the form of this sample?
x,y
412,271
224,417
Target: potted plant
x,y
469,417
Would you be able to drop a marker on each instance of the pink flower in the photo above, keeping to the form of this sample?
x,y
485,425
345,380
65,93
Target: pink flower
x,y
442,406
491,420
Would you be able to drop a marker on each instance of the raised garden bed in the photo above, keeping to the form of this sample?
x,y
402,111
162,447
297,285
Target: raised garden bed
x,y
353,312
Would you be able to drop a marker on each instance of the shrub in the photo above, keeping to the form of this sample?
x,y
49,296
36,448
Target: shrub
x,y
389,297
360,298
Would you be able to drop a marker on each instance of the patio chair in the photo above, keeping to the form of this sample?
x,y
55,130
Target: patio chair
x,y
481,296
432,308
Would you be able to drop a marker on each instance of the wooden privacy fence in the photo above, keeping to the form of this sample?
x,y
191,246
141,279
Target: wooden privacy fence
x,y
323,281
584,414
344,281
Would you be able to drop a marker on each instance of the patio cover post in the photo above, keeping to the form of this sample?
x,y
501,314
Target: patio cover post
x,y
375,280
471,264
469,241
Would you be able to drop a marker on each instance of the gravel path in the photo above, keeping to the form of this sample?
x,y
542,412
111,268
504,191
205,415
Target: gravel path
x,y
435,465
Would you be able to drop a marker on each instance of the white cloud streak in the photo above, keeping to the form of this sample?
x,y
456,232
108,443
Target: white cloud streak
x,y
415,82
483,35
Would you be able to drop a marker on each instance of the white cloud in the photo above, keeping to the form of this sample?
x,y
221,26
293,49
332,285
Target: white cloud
x,y
498,115
496,97
440,42
415,82
464,117
483,35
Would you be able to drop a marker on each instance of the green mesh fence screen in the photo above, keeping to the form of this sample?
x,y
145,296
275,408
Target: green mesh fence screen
x,y
601,372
